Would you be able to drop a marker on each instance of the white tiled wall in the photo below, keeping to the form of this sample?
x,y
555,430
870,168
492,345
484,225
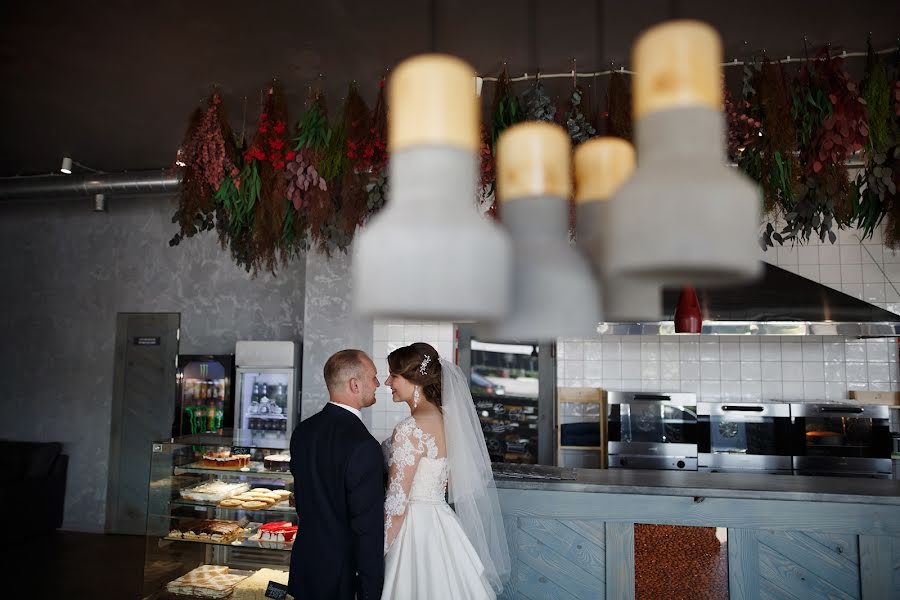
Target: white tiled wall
x,y
388,336
753,368
731,367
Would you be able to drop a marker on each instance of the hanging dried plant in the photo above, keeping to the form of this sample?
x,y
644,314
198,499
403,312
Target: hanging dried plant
x,y
876,93
355,178
375,156
537,104
487,169
314,139
271,152
619,106
208,158
577,124
743,125
830,118
777,146
505,110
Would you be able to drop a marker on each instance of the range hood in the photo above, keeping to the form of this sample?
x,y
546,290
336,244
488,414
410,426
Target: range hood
x,y
778,303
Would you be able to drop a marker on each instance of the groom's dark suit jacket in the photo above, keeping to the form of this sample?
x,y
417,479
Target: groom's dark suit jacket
x,y
337,467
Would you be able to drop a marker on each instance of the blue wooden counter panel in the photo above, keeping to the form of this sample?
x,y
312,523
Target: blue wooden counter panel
x,y
788,537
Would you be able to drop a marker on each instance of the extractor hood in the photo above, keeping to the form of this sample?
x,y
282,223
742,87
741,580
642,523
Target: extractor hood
x,y
778,303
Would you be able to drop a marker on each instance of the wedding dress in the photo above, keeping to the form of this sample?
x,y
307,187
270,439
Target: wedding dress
x,y
428,552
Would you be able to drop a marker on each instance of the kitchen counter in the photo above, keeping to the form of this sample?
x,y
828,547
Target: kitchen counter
x,y
585,533
694,484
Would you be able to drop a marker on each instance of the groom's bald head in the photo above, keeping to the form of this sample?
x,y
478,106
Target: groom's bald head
x,y
344,366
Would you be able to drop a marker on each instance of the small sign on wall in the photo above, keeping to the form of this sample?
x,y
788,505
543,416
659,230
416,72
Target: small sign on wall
x,y
146,341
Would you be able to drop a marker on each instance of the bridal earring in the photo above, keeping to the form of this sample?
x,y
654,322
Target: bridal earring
x,y
416,397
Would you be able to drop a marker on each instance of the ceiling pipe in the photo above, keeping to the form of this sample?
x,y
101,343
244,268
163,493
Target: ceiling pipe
x,y
133,183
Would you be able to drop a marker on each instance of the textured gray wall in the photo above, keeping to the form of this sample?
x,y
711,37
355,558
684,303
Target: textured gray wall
x,y
330,326
66,272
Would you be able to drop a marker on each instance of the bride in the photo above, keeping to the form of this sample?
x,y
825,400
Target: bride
x,y
430,550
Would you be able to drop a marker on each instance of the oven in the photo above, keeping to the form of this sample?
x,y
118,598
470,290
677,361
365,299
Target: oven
x,y
850,440
744,437
652,431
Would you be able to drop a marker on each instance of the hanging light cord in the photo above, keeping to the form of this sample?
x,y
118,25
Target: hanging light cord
x,y
730,63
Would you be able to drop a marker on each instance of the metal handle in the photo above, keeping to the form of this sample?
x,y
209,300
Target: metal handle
x,y
743,408
652,397
855,410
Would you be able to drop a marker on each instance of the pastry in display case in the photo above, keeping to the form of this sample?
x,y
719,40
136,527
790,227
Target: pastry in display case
x,y
221,522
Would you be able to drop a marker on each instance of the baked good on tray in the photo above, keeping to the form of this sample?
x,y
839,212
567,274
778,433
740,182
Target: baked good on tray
x,y
213,491
207,581
223,460
254,587
278,531
277,462
207,530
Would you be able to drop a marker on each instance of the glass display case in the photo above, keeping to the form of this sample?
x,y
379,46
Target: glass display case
x,y
222,520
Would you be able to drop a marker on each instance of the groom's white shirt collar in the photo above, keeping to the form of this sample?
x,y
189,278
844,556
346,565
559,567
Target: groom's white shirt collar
x,y
348,408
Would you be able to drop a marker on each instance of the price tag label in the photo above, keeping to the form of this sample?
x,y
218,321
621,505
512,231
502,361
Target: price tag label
x,y
240,450
276,590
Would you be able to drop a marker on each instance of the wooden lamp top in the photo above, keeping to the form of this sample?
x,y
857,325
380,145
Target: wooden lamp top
x,y
602,165
677,64
433,102
533,159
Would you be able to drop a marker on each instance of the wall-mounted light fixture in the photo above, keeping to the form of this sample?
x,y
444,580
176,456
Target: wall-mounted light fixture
x,y
66,166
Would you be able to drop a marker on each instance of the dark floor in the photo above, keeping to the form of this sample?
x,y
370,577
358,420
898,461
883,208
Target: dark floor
x,y
77,565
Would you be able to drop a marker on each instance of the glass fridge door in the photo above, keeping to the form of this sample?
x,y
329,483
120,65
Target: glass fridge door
x,y
204,395
504,384
265,407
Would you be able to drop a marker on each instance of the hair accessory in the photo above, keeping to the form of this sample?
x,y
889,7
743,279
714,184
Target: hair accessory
x,y
423,368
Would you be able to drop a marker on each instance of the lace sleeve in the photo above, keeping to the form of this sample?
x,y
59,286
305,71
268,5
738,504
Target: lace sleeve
x,y
407,447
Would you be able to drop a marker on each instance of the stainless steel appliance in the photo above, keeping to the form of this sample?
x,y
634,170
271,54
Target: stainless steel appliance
x,y
738,437
266,407
850,440
652,431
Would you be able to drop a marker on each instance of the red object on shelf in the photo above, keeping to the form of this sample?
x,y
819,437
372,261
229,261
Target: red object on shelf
x,y
687,314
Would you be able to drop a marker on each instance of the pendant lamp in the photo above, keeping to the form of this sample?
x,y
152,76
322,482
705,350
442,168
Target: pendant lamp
x,y
685,217
429,254
602,165
553,290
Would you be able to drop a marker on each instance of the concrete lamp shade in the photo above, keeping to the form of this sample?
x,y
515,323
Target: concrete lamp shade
x,y
554,292
429,254
602,165
684,217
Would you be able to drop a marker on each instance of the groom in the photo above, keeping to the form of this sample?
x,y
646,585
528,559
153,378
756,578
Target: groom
x,y
337,468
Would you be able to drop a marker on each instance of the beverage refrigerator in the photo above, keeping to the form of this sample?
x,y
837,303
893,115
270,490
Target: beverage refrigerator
x,y
513,387
267,404
204,401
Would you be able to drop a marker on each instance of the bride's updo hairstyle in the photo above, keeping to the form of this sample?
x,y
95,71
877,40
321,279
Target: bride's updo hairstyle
x,y
420,364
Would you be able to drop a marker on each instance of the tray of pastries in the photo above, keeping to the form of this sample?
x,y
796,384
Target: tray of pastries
x,y
213,491
207,530
257,499
254,587
206,581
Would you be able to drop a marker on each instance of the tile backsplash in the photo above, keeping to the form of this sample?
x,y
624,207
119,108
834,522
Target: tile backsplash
x,y
731,367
